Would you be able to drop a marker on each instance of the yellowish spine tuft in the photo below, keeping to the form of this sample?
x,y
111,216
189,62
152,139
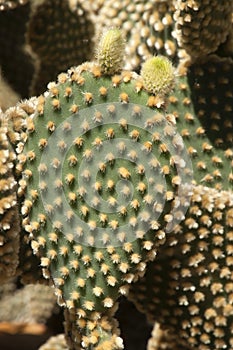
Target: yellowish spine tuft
x,y
158,75
110,51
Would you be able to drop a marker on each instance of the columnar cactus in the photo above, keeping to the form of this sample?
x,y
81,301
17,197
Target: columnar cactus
x,y
95,130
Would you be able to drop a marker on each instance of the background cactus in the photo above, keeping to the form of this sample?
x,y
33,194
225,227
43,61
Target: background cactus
x,y
29,305
39,39
9,214
57,342
8,97
17,66
201,27
58,36
5,4
195,304
148,27
191,294
163,340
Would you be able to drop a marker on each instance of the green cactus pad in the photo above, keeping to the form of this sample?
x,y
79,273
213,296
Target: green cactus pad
x,y
16,126
92,260
190,293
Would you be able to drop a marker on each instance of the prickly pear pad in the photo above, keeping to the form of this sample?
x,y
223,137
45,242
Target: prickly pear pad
x,y
107,177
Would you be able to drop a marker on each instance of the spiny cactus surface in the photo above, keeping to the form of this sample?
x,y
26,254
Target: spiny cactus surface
x,y
9,213
99,124
189,289
202,103
15,127
92,137
148,27
201,26
57,342
162,339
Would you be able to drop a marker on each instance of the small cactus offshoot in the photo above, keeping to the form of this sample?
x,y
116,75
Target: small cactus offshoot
x,y
158,75
110,51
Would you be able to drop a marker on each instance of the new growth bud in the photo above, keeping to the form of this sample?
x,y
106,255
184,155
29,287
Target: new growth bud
x,y
159,75
110,51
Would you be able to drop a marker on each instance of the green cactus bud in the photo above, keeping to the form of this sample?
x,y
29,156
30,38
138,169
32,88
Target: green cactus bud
x,y
110,51
158,75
